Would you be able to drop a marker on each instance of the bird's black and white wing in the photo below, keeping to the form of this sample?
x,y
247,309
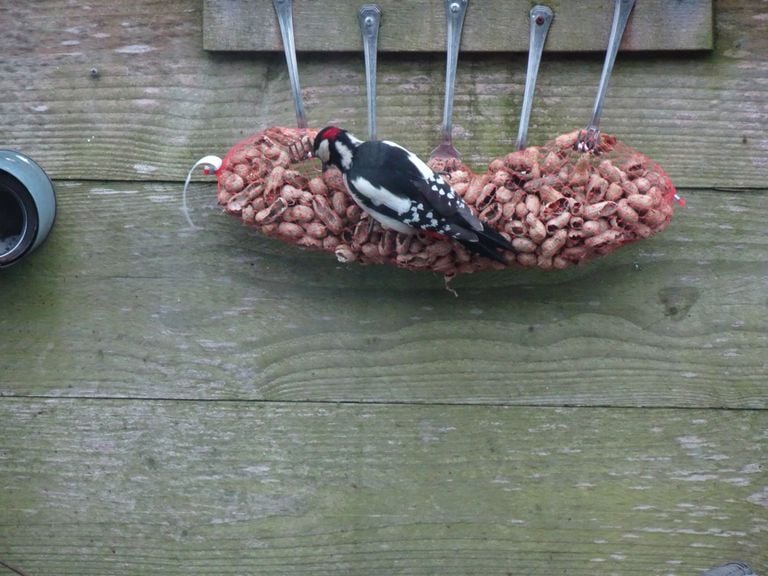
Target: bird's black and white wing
x,y
407,195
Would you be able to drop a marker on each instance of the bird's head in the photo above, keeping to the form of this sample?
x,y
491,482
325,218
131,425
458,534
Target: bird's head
x,y
335,147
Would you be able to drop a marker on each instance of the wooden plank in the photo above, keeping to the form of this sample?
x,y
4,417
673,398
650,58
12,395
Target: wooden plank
x,y
490,26
140,487
124,300
159,101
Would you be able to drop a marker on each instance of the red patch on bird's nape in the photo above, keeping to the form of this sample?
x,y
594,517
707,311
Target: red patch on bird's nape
x,y
329,133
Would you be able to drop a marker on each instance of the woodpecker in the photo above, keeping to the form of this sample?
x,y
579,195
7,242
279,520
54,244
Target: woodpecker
x,y
401,192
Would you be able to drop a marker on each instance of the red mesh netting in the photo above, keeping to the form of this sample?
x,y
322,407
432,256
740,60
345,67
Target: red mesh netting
x,y
556,205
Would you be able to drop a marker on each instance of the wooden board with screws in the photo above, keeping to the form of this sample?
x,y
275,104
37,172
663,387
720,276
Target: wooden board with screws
x,y
491,26
159,102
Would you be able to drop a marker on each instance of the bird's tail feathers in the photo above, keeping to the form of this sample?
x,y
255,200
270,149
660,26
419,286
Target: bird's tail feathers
x,y
488,244
491,237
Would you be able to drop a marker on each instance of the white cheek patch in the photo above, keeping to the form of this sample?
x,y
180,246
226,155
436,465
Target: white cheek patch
x,y
346,155
323,152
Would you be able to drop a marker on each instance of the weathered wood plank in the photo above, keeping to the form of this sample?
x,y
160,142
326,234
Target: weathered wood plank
x,y
490,26
160,101
139,487
125,300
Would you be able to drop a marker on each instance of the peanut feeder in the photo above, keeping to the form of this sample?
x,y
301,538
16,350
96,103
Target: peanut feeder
x,y
581,195
558,206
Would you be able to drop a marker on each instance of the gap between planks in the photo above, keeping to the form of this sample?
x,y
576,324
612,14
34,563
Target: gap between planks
x,y
254,401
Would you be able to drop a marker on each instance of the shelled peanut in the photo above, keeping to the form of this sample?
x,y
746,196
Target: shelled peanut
x,y
562,207
556,206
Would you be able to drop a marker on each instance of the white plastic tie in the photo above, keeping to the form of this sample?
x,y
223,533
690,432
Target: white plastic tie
x,y
208,163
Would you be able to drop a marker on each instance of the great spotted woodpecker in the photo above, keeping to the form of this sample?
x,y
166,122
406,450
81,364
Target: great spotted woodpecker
x,y
400,191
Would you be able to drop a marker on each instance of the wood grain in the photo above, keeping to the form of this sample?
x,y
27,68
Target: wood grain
x,y
490,26
206,401
159,102
126,301
138,487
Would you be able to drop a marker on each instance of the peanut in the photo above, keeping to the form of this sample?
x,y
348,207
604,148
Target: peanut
x,y
290,230
524,245
317,186
326,215
553,244
316,230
